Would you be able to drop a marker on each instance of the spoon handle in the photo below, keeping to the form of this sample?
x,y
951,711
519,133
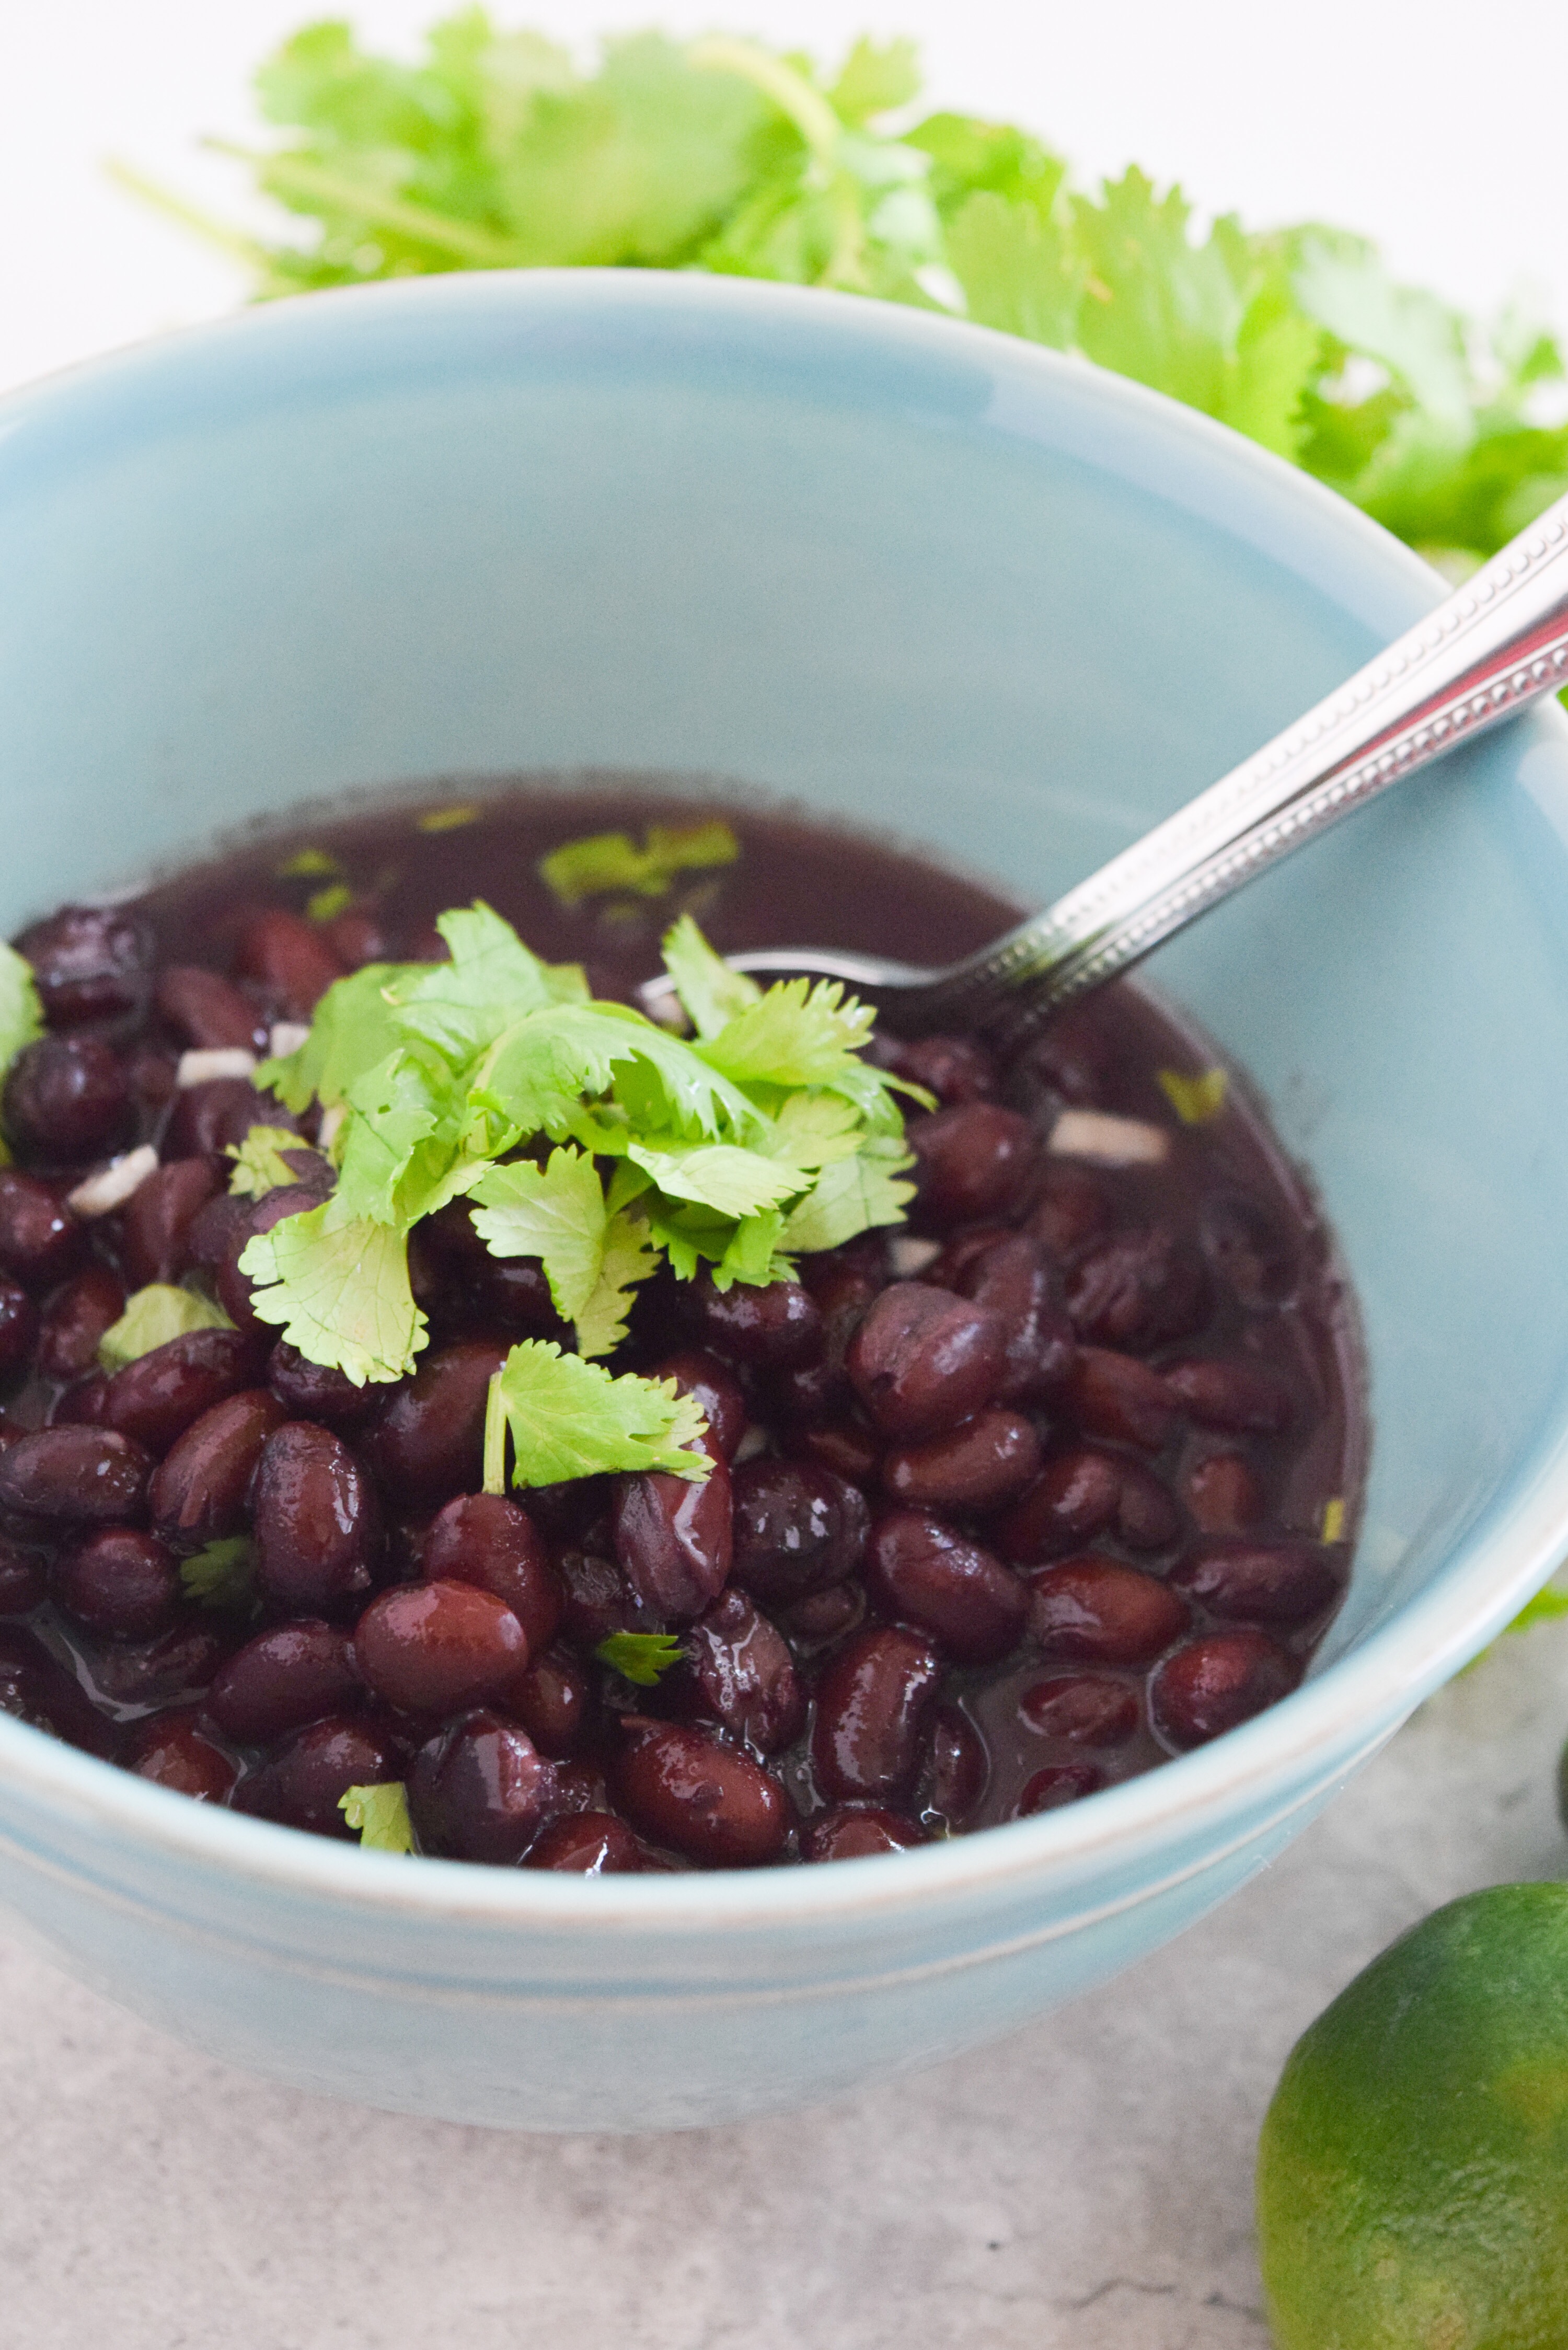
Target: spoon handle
x,y
1484,654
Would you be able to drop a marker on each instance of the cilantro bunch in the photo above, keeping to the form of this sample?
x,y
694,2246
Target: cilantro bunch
x,y
583,1135
497,152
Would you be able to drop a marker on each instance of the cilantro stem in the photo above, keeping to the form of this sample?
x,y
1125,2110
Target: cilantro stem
x,y
238,246
494,1480
286,175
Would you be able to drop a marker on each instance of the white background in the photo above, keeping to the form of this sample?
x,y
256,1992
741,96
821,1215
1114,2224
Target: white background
x,y
1437,127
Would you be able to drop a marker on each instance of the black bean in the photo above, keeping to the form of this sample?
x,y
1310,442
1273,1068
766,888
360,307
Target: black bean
x,y
90,963
171,1752
206,1012
34,1688
924,1360
514,1291
846,1446
923,1572
1076,1057
674,1538
1086,1709
798,1529
215,1116
288,1676
118,1581
40,1240
290,959
429,1441
1218,1681
81,1405
484,1539
1117,1396
1235,1393
67,1097
74,1476
1013,1279
1072,1209
357,937
480,1791
957,1766
685,1791
553,1699
585,1844
1137,1289
599,1599
315,1520
75,1319
157,1219
160,1395
744,1675
872,1704
1075,1498
769,1329
22,1582
819,1390
1260,1582
1146,1515
308,1390
971,1161
434,1648
1058,1784
235,1288
1249,1249
303,1786
982,1464
696,1373
1223,1493
825,1616
955,1068
172,1668
1093,1610
198,1492
850,1832
18,1327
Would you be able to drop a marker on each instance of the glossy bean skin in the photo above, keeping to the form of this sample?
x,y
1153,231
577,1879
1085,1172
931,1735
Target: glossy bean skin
x,y
207,1120
356,938
1098,1613
1232,1393
22,1578
288,1676
1013,1279
67,1097
1075,1498
696,1373
198,1492
484,1539
304,1785
923,1359
480,1791
1146,1515
158,1397
90,963
81,1405
685,1791
1086,1708
825,1616
745,1676
848,1833
873,1701
119,1582
75,1319
599,1599
172,1668
1115,1396
958,1766
971,1161
982,1464
173,1752
206,1012
34,1688
846,1446
674,1538
1216,1683
290,959
921,1571
817,1390
553,1699
1074,1058
316,1522
585,1844
1058,1784
955,1068
1137,1289
235,1288
768,1329
797,1529
429,1442
1276,1583
1223,1494
1071,1211
40,1240
74,1476
435,1648
156,1221
308,1390
18,1326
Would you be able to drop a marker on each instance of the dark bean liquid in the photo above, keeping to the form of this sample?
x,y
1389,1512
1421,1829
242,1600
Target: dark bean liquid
x,y
1007,1505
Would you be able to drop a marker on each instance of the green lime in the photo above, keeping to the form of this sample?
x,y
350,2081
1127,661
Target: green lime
x,y
1413,2172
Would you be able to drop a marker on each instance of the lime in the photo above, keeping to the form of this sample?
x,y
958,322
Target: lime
x,y
1413,2172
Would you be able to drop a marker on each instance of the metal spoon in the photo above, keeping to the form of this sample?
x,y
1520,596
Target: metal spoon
x,y
1484,656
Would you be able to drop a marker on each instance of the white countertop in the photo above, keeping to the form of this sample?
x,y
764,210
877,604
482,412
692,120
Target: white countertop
x,y
1083,2186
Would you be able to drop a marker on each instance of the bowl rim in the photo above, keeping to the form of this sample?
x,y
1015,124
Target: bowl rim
x,y
1340,1715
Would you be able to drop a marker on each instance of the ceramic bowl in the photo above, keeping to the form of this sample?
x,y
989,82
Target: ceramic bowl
x,y
926,579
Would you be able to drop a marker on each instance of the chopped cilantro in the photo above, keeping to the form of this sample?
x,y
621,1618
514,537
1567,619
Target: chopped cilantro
x,y
640,1657
305,863
604,861
1546,1607
1334,1520
446,819
1197,1099
151,1318
324,905
381,1816
341,1295
222,1576
21,1018
259,1165
570,1419
710,991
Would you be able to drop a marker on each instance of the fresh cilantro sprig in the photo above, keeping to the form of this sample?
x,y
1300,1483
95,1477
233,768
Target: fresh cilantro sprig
x,y
606,861
223,1575
151,1318
641,1657
497,151
380,1815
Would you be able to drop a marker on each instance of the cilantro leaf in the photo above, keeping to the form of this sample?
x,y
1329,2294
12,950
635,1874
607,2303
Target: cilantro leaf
x,y
21,1016
223,1575
555,1212
604,861
852,1196
341,1294
1020,272
155,1314
381,1816
491,980
710,991
629,1257
351,1033
719,1175
1195,1100
570,1419
640,1657
799,1033
259,1164
535,1072
1546,1607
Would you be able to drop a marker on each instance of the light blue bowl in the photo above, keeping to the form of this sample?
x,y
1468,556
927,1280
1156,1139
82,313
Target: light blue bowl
x,y
927,577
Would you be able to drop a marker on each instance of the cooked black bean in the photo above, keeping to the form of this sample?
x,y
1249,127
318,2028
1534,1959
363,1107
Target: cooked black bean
x,y
1058,1784
825,1616
1013,1279
685,1791
797,1529
67,1097
18,1327
1071,1211
973,1160
90,963
1094,1609
1249,1248
599,1599
1260,1582
921,1571
309,1390
303,1786
198,1492
480,1790
157,1219
206,1012
170,1668
288,1676
674,1539
848,1447
744,1675
957,1766
1074,1056
74,1476
585,1844
235,1288
435,1648
172,1750
37,1689
1146,1515
315,1520
290,960
872,1704
768,1329
696,1373
426,1445
484,1539
553,1699
208,1118
955,1068
22,1582
1218,1681
1087,1708
40,1240
159,1396
118,1581
1137,1289
1223,1493
982,1464
1233,1393
818,1391
924,1360
1075,1498
1117,1396
858,1833
75,1319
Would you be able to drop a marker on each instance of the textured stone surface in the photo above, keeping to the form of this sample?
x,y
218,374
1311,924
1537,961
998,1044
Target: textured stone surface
x,y
1085,2186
